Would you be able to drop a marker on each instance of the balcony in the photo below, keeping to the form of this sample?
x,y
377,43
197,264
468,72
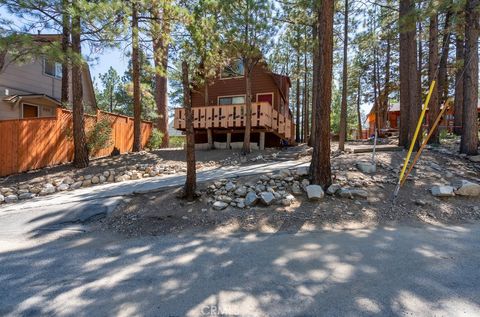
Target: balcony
x,y
264,118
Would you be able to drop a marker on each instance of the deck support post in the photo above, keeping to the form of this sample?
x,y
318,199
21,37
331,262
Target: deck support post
x,y
229,140
210,138
262,141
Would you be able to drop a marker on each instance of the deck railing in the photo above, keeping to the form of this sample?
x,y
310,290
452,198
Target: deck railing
x,y
233,116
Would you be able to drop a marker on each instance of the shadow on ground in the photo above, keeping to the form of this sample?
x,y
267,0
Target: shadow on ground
x,y
382,271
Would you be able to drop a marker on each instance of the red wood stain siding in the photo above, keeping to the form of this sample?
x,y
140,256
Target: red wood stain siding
x,y
262,82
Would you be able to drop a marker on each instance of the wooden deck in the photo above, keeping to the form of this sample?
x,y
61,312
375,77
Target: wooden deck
x,y
233,116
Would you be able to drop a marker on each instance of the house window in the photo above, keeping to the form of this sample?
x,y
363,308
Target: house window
x,y
29,111
231,100
233,70
53,69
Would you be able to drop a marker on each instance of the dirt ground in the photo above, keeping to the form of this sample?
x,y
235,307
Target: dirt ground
x,y
172,157
162,213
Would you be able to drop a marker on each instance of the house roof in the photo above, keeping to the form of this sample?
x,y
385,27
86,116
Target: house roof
x,y
17,98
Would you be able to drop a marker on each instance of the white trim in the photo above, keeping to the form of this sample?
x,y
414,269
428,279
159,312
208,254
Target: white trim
x,y
228,96
29,104
266,93
54,67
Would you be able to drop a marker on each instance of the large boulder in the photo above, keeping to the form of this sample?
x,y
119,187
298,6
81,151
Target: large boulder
x,y
442,191
367,167
467,188
251,199
314,192
267,198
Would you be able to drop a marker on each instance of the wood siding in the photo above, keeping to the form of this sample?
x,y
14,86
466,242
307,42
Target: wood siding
x,y
262,82
35,143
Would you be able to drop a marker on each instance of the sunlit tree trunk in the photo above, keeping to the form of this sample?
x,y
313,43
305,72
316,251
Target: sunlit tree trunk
x,y
434,106
191,180
320,168
137,106
343,107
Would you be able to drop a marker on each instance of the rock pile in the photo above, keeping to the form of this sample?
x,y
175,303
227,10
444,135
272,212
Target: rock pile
x,y
49,186
273,189
461,188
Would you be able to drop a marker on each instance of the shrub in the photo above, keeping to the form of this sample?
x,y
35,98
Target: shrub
x,y
177,141
99,137
156,138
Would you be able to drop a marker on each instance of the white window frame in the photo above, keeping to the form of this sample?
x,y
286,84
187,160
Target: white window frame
x,y
56,67
232,96
32,105
266,93
239,76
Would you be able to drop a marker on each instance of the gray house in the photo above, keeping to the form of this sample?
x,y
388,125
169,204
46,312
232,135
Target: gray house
x,y
33,90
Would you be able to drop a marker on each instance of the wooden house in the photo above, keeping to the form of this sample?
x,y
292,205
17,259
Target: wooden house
x,y
219,110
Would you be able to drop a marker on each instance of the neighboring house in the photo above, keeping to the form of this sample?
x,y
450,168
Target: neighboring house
x,y
33,90
219,118
393,115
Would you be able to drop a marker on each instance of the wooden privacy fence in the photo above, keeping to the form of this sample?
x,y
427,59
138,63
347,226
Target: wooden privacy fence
x,y
27,144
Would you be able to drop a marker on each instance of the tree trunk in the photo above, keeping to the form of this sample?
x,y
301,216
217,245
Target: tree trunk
x,y
305,116
297,116
191,180
320,170
248,104
359,116
376,106
315,84
80,158
343,108
434,105
137,106
469,142
65,49
160,34
458,102
442,70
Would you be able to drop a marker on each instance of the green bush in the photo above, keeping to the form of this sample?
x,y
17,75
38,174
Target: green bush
x,y
99,137
156,138
176,141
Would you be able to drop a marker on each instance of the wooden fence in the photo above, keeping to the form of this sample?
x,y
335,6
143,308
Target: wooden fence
x,y
28,144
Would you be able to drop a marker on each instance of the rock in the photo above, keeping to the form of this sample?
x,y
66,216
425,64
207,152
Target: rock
x,y
475,158
87,183
241,191
219,205
2,198
267,198
314,192
218,184
229,186
442,191
284,173
332,189
10,198
467,188
366,167
68,180
47,189
296,190
22,191
119,179
5,190
102,178
420,202
288,199
87,177
305,183
260,188
107,173
63,187
352,192
225,199
26,196
302,171
241,204
250,199
264,178
95,180
76,185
